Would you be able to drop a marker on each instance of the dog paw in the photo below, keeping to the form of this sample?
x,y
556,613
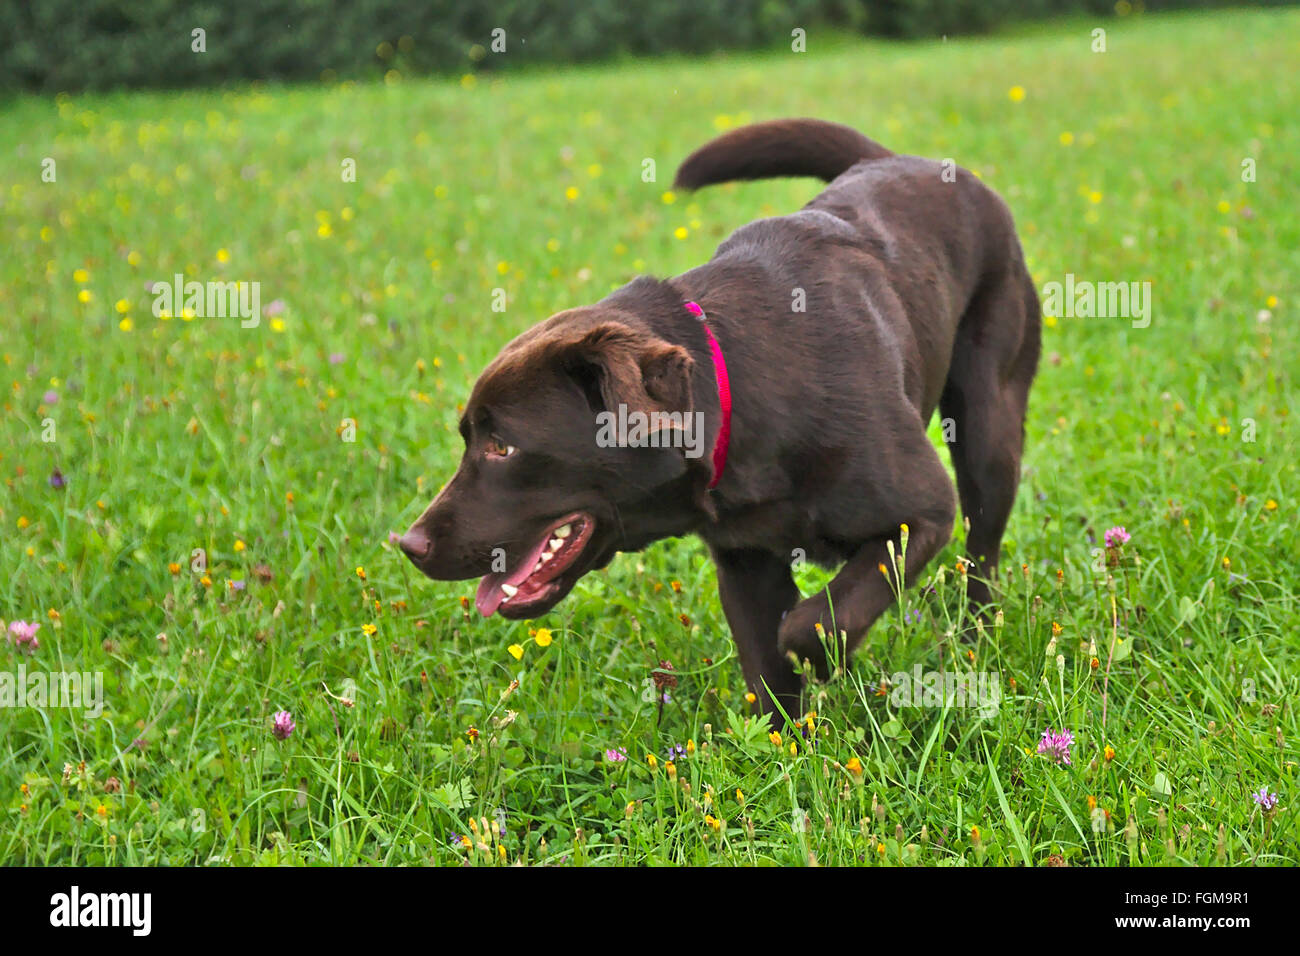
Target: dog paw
x,y
802,633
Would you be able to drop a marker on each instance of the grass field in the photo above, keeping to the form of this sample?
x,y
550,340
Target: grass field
x,y
219,548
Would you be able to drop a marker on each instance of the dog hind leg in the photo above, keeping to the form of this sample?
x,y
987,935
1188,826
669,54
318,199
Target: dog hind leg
x,y
860,593
986,394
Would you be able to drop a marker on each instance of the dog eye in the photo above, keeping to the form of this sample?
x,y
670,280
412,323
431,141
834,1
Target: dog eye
x,y
499,449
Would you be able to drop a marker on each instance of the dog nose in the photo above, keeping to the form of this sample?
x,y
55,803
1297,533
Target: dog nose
x,y
415,544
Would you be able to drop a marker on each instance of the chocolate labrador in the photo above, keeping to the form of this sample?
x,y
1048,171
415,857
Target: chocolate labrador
x,y
808,356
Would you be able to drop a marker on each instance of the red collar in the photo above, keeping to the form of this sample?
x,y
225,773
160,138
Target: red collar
x,y
724,395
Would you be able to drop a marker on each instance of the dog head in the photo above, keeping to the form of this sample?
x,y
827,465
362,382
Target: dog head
x,y
547,490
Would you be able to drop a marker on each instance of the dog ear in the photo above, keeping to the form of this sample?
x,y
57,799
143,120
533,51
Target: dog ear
x,y
617,365
666,376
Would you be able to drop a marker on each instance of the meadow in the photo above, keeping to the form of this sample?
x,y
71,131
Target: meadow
x,y
199,512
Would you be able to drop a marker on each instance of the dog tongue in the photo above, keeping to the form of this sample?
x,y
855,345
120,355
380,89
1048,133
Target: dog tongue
x,y
490,595
491,589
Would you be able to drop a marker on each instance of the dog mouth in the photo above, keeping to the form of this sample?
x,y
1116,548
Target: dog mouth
x,y
535,581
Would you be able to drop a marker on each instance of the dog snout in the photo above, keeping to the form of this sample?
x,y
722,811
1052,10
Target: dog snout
x,y
416,545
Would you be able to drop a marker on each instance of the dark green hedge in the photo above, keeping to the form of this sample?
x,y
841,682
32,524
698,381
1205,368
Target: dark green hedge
x,y
53,45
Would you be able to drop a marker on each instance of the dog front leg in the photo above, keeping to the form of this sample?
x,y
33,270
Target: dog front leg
x,y
757,589
859,594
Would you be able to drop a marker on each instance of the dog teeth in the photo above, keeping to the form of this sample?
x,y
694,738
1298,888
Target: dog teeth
x,y
509,590
544,558
554,545
564,532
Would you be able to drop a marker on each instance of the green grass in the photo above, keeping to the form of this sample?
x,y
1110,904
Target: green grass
x,y
180,435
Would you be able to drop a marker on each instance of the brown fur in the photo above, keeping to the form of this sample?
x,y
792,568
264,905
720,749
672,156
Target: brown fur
x,y
917,299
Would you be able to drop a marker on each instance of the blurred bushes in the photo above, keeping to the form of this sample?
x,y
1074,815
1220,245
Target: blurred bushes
x,y
54,45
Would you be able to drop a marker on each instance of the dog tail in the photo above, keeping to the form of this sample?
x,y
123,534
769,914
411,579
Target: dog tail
x,y
788,147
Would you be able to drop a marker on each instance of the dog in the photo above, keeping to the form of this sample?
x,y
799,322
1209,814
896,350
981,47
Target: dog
x,y
812,350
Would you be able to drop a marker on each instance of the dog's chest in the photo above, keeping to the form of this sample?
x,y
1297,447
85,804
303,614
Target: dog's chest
x,y
782,528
